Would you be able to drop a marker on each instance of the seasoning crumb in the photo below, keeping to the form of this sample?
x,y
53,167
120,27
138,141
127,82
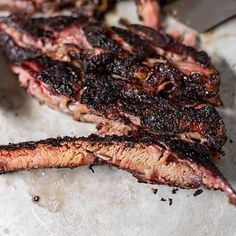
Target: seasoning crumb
x,y
35,199
197,192
170,201
16,114
231,141
129,145
163,199
91,168
174,190
154,190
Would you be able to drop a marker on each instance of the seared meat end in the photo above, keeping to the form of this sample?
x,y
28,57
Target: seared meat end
x,y
151,159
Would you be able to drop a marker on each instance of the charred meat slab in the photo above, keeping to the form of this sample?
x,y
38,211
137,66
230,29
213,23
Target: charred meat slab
x,y
151,159
90,97
149,59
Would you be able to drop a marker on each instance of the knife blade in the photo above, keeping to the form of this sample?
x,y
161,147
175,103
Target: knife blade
x,y
201,15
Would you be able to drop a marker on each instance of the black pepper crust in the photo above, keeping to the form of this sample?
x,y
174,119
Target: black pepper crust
x,y
167,42
13,52
58,23
116,98
53,142
61,77
25,24
98,37
112,63
138,44
181,88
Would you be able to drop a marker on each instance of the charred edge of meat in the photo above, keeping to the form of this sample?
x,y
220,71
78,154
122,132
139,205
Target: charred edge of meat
x,y
182,88
58,23
98,37
54,142
106,95
194,155
62,77
111,63
167,42
139,45
15,53
25,24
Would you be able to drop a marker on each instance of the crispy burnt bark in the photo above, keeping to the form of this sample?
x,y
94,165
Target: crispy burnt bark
x,y
115,98
65,86
151,159
149,59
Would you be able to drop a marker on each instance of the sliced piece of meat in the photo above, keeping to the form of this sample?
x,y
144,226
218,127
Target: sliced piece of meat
x,y
64,86
151,159
150,59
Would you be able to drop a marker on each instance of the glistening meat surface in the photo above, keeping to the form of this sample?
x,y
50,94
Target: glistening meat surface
x,y
151,159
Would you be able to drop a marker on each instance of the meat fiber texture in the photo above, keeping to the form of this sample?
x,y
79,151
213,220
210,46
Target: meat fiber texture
x,y
71,200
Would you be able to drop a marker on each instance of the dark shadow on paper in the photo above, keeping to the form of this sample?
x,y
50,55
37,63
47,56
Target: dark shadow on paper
x,y
12,97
